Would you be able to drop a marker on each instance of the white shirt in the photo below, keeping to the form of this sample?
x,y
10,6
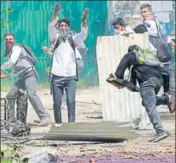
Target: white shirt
x,y
153,30
64,63
16,51
130,30
127,30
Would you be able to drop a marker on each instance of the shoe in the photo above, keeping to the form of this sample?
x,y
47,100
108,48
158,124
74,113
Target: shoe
x,y
161,137
170,102
37,121
112,80
44,122
135,123
32,124
158,138
58,125
152,139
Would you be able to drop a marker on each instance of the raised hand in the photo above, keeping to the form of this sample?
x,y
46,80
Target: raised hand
x,y
84,16
58,7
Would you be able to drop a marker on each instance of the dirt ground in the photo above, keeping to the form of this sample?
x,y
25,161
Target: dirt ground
x,y
88,109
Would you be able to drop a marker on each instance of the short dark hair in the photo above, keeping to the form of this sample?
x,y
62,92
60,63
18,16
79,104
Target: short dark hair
x,y
145,5
9,34
118,21
141,28
133,47
65,20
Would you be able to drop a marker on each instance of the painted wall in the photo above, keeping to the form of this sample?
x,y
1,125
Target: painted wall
x,y
29,21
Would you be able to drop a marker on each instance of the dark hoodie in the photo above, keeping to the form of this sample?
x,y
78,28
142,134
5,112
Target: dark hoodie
x,y
139,72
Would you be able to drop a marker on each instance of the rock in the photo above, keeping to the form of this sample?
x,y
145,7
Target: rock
x,y
41,156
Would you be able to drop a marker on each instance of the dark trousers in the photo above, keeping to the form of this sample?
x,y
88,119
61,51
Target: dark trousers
x,y
169,77
58,85
148,91
166,79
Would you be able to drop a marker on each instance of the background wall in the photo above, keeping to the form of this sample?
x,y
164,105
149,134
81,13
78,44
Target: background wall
x,y
29,22
130,11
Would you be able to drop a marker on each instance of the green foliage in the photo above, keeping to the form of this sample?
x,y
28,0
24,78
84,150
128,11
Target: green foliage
x,y
10,154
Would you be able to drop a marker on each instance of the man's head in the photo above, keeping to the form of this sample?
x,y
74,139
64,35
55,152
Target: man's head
x,y
63,23
63,26
146,11
118,24
141,28
9,39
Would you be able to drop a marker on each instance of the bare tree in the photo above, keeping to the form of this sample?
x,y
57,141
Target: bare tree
x,y
126,10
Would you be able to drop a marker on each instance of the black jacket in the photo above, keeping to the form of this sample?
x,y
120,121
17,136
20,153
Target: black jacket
x,y
139,72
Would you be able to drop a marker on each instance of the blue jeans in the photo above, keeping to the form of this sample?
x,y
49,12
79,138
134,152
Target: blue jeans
x,y
58,85
148,91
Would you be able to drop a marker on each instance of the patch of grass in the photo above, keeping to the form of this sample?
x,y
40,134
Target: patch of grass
x,y
43,85
6,161
81,83
10,154
5,86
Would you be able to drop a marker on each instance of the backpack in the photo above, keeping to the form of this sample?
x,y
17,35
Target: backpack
x,y
145,56
140,29
164,50
30,55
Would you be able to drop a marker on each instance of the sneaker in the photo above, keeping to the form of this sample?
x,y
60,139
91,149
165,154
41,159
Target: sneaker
x,y
44,122
58,125
135,123
37,121
112,80
152,139
158,138
170,102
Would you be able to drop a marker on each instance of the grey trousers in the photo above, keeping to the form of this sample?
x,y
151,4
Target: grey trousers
x,y
28,84
58,85
148,91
